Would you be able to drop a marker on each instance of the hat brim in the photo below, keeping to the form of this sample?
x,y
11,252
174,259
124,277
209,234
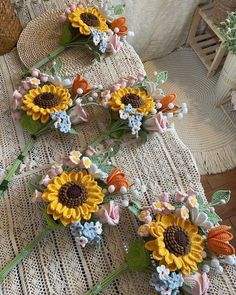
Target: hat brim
x,y
40,38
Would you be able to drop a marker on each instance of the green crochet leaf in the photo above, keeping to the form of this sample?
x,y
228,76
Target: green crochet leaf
x,y
200,200
134,210
51,223
32,126
212,216
117,134
220,197
161,77
73,131
101,159
138,258
107,168
137,203
143,135
119,9
66,35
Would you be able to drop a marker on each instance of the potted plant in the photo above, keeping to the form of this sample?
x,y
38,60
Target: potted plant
x,y
227,79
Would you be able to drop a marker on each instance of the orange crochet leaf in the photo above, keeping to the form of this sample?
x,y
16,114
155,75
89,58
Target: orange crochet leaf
x,y
218,230
120,24
123,30
118,179
79,82
221,248
224,236
167,99
175,108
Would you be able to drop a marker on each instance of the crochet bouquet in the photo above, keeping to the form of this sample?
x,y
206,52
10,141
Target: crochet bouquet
x,y
45,101
96,25
180,242
83,192
138,106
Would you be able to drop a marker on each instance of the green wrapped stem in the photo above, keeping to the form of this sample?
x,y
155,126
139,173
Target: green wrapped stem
x,y
114,127
108,280
46,59
100,139
15,166
24,253
51,56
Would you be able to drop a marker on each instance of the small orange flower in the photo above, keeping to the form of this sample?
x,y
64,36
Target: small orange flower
x,y
120,24
118,179
165,101
79,82
218,240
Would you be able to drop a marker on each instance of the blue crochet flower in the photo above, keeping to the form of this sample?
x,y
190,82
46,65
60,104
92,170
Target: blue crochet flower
x,y
76,229
166,283
62,122
135,122
103,45
86,233
99,39
130,109
90,232
175,280
96,36
157,283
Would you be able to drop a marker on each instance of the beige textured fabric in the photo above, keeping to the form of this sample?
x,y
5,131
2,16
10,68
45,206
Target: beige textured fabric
x,y
206,130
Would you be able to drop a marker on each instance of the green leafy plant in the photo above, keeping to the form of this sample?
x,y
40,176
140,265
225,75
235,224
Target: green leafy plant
x,y
229,32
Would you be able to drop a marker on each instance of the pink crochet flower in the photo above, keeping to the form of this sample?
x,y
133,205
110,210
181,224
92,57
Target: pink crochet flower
x,y
157,123
110,213
196,284
114,43
78,115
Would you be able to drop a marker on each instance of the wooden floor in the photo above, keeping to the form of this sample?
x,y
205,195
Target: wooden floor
x,y
212,183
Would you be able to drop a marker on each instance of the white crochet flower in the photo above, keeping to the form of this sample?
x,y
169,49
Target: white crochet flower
x,y
200,219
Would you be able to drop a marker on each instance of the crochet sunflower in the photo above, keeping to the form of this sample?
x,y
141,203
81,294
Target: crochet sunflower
x,y
177,244
39,103
73,196
137,98
84,18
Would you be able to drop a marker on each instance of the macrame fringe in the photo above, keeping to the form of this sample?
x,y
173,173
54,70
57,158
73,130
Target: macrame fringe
x,y
216,161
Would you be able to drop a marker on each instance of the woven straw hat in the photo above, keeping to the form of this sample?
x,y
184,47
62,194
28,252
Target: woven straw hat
x,y
10,26
40,38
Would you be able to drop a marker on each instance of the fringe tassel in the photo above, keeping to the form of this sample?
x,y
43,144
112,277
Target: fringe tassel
x,y
216,161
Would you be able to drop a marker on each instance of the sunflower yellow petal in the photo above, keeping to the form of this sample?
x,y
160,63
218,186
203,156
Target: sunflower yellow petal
x,y
151,246
53,205
49,197
177,261
169,258
67,212
35,116
59,208
156,255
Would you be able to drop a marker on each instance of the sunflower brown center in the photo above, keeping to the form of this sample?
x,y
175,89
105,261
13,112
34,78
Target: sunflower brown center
x,y
46,100
90,19
177,240
72,195
133,99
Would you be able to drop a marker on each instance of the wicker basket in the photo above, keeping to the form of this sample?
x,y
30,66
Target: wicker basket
x,y
221,9
10,27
